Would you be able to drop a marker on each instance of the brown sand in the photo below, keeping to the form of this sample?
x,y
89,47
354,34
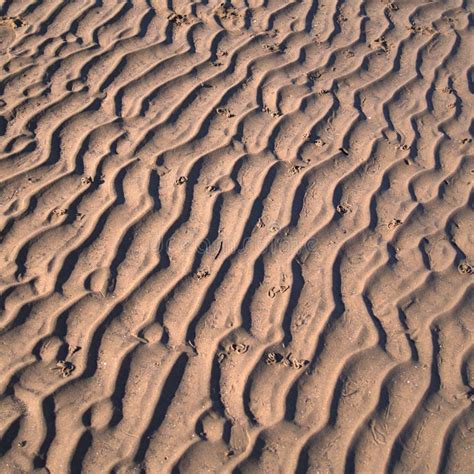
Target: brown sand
x,y
236,237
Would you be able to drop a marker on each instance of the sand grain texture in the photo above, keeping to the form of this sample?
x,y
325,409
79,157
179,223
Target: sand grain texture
x,y
236,237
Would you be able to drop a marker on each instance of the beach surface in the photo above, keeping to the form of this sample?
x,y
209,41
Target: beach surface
x,y
236,237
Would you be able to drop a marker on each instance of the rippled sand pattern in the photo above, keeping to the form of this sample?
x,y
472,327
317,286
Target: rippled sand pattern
x,y
236,236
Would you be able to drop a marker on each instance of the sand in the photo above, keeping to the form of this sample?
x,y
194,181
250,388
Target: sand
x,y
236,237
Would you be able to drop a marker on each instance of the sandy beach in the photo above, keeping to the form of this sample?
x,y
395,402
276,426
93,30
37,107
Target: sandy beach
x,y
236,237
